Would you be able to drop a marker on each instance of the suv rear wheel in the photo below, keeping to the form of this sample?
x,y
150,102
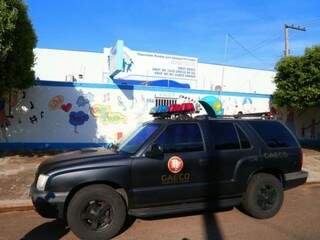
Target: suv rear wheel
x,y
263,197
96,212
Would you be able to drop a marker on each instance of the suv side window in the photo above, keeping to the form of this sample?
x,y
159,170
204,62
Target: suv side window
x,y
244,141
225,136
185,137
273,134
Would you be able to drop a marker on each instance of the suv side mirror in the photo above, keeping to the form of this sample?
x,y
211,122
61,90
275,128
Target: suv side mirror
x,y
155,151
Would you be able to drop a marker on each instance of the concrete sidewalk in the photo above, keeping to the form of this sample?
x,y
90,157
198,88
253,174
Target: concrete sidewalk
x,y
311,164
17,174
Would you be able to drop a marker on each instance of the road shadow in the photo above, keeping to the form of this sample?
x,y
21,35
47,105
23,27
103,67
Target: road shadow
x,y
53,230
210,224
130,220
211,227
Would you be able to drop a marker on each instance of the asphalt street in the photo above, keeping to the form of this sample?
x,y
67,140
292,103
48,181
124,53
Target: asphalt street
x,y
299,218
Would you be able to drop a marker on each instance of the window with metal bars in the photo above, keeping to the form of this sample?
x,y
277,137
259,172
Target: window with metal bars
x,y
165,101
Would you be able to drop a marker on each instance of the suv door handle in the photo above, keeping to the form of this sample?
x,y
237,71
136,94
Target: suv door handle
x,y
203,162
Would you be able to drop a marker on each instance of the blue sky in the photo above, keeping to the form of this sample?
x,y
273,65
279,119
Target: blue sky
x,y
183,27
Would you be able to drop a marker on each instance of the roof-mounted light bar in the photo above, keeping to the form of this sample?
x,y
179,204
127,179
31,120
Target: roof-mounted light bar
x,y
173,109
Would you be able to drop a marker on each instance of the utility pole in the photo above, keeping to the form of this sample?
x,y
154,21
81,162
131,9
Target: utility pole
x,y
286,36
225,59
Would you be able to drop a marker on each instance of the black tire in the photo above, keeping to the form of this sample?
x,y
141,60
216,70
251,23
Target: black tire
x,y
263,197
96,212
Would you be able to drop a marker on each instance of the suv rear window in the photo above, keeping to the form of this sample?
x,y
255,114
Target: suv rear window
x,y
225,136
228,136
244,141
274,134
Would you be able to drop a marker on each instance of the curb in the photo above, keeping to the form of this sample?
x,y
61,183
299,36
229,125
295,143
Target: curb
x,y
15,205
311,183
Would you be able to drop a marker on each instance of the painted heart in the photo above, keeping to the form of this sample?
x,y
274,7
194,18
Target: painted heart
x,y
66,107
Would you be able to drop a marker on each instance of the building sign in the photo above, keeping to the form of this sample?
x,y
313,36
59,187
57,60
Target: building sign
x,y
128,64
115,58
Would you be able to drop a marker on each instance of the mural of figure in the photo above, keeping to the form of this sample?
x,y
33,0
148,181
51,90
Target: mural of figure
x,y
109,62
121,104
106,98
4,122
290,121
247,105
313,129
124,64
129,65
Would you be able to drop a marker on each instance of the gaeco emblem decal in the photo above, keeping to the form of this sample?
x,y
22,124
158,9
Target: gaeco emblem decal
x,y
175,164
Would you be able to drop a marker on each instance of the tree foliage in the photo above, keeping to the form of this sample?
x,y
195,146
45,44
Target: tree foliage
x,y
298,80
17,41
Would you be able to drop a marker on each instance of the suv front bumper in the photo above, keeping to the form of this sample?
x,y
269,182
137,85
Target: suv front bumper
x,y
295,179
48,204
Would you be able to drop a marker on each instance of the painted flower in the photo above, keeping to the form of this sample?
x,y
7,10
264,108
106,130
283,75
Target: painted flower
x,y
106,116
82,101
77,119
55,102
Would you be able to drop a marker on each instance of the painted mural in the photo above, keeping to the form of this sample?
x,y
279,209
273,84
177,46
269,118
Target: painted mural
x,y
100,114
305,124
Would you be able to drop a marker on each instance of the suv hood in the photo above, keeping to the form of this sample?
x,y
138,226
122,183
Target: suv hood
x,y
78,158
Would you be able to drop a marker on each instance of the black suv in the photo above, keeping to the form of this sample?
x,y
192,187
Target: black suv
x,y
170,166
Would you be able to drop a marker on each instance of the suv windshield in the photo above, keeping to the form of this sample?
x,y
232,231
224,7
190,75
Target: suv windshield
x,y
134,141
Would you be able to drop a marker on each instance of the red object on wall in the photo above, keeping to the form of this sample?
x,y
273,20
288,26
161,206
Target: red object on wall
x,y
187,107
66,107
119,135
3,118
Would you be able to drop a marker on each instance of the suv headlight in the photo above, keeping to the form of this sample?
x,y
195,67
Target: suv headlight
x,y
42,181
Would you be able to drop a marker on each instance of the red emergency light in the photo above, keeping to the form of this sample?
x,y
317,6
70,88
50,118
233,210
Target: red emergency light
x,y
164,110
181,108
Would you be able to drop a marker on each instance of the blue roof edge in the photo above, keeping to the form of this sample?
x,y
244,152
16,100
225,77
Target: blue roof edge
x,y
148,88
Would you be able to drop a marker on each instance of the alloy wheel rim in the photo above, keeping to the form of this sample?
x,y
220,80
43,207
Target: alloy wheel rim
x,y
266,197
97,215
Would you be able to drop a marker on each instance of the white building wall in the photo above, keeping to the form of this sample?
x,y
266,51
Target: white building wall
x,y
61,115
58,65
235,79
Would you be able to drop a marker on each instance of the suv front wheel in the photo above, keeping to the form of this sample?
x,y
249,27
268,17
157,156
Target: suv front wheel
x,y
96,212
263,197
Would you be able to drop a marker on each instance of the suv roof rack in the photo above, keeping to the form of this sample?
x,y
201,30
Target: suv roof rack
x,y
240,115
258,115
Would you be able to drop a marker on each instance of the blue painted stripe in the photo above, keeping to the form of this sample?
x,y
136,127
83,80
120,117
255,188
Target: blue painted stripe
x,y
47,146
149,88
